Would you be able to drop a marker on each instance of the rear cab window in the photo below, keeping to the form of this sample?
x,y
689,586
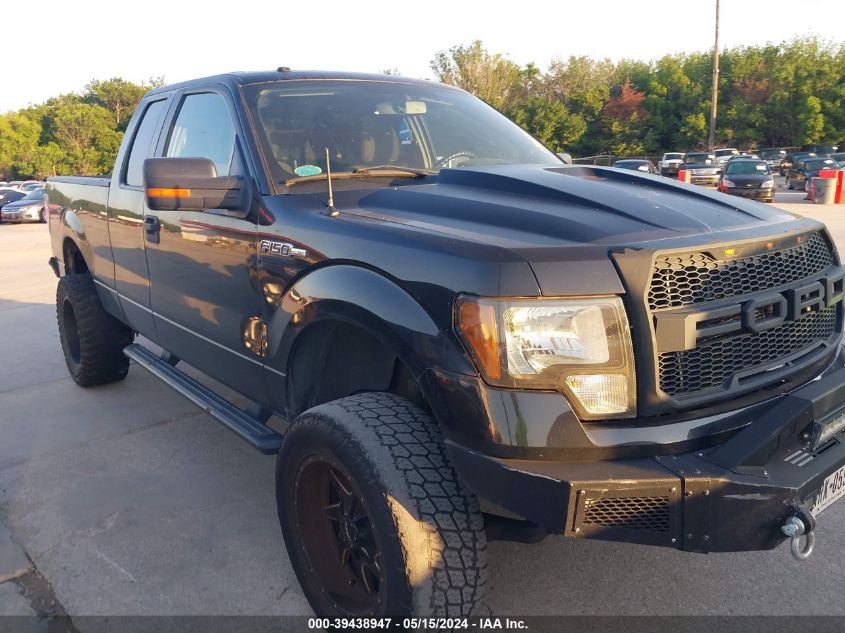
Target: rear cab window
x,y
142,143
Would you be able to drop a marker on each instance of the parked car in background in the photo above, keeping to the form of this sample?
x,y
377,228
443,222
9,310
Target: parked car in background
x,y
724,153
839,157
669,164
636,164
749,178
793,157
741,156
7,195
703,168
29,208
31,185
804,170
14,184
822,149
773,156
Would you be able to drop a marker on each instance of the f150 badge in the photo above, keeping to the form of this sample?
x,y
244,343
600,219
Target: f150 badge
x,y
281,248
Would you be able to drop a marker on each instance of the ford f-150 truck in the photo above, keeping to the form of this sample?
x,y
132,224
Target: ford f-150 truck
x,y
466,337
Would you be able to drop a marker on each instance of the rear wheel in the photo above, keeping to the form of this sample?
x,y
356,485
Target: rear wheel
x,y
375,520
42,215
788,184
92,339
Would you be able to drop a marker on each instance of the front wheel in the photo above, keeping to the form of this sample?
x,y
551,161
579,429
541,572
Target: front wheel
x,y
788,184
375,519
807,185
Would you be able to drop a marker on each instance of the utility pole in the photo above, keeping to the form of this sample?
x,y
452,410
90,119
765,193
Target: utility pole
x,y
711,140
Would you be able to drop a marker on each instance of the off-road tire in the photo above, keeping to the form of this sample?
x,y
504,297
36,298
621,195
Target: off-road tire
x,y
92,339
433,544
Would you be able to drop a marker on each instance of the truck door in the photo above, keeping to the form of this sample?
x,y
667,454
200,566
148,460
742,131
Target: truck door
x,y
202,264
126,215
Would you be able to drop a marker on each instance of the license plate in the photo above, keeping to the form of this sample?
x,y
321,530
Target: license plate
x,y
831,491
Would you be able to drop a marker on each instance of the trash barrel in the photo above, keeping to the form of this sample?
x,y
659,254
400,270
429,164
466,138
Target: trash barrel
x,y
825,190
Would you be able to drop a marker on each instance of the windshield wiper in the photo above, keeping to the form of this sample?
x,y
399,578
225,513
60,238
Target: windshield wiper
x,y
389,171
394,168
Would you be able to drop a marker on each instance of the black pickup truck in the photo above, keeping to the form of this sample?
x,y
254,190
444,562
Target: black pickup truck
x,y
465,338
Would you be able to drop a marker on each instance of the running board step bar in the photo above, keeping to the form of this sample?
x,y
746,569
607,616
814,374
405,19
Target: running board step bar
x,y
253,431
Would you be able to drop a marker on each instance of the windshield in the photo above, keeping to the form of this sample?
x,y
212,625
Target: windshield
x,y
726,152
747,167
700,159
368,124
673,157
773,153
35,194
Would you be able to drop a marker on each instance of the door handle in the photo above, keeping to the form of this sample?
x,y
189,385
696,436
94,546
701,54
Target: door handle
x,y
152,226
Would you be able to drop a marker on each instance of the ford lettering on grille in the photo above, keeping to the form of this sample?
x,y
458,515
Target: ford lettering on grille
x,y
681,329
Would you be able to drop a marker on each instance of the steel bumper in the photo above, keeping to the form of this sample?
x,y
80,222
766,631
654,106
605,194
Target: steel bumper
x,y
731,497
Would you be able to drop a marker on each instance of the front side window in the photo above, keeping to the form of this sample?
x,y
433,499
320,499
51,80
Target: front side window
x,y
204,129
368,124
140,149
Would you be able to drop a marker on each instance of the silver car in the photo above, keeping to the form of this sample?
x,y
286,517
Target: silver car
x,y
30,208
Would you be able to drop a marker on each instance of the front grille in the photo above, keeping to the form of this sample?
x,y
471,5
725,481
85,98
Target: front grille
x,y
684,279
631,513
687,278
713,362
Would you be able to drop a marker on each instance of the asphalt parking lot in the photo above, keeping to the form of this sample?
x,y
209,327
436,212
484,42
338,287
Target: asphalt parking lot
x,y
128,500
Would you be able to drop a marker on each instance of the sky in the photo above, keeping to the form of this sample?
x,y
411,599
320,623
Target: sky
x,y
74,41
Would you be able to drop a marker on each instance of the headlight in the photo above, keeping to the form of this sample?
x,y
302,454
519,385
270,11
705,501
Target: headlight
x,y
580,347
768,184
728,183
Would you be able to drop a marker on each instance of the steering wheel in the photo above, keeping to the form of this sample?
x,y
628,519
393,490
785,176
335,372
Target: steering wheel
x,y
443,162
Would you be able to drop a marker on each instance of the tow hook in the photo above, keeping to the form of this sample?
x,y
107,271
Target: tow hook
x,y
796,526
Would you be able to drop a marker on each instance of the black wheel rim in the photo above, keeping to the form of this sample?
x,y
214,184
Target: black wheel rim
x,y
338,537
71,332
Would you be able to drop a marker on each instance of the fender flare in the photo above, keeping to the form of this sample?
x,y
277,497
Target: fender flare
x,y
74,230
373,302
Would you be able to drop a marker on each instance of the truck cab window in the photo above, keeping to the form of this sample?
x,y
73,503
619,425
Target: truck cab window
x,y
140,149
204,129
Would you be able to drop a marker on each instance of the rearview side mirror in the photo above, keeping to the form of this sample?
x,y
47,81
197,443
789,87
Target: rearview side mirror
x,y
191,184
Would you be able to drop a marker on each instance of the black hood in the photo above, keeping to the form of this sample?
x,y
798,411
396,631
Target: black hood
x,y
563,220
748,179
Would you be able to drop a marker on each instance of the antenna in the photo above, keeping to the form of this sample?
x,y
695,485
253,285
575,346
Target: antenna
x,y
332,210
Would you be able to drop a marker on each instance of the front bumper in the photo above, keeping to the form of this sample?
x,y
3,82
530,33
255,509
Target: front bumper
x,y
19,216
732,497
753,194
704,179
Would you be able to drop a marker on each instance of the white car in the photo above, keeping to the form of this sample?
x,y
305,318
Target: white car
x,y
723,154
670,163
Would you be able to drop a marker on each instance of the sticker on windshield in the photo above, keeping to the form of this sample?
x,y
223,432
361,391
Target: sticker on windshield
x,y
308,170
760,167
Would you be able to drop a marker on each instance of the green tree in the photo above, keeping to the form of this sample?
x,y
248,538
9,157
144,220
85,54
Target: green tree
x,y
116,95
550,122
490,77
811,120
